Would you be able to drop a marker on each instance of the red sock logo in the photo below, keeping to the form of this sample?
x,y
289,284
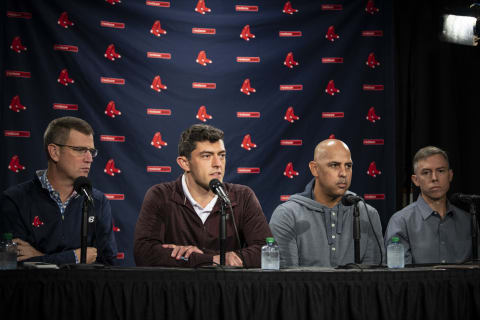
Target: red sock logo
x,y
157,29
64,79
16,105
289,171
246,87
331,90
110,168
64,21
111,110
157,84
110,53
17,45
371,116
113,2
287,8
157,141
372,61
202,58
289,62
372,170
201,7
202,114
246,34
370,8
15,165
247,143
290,115
331,34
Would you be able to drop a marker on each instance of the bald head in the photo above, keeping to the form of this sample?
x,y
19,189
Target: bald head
x,y
329,146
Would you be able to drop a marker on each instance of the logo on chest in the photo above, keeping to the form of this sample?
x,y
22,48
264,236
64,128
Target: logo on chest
x,y
37,222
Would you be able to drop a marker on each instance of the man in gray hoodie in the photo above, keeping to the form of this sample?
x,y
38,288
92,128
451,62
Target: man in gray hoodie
x,y
314,228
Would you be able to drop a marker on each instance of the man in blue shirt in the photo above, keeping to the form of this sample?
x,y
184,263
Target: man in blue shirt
x,y
44,214
431,229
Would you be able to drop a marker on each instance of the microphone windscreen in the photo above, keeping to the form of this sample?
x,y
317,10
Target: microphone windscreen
x,y
82,182
214,184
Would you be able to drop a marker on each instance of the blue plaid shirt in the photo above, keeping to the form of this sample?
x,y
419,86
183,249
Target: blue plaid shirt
x,y
42,176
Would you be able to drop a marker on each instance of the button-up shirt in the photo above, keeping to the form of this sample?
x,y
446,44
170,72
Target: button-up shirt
x,y
427,237
42,176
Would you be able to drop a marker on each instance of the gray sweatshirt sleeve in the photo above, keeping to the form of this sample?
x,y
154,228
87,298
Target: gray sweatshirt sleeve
x,y
282,225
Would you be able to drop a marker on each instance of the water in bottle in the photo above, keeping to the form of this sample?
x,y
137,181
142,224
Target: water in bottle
x,y
395,254
270,255
8,253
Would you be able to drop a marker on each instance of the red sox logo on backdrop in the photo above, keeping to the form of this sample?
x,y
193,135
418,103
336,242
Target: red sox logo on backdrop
x,y
113,2
371,116
157,141
289,61
202,114
15,165
331,34
157,84
247,143
16,105
246,87
290,115
111,111
202,58
17,45
331,90
287,8
64,78
157,29
201,7
110,53
289,171
110,168
246,34
370,8
63,20
372,170
372,61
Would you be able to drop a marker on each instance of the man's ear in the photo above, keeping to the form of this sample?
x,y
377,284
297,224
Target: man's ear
x,y
415,179
183,163
313,165
54,152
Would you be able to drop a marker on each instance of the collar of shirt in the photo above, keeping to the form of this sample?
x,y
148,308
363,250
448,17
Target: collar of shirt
x,y
202,213
42,176
426,211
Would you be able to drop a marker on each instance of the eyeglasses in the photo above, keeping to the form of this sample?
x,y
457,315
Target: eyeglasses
x,y
80,150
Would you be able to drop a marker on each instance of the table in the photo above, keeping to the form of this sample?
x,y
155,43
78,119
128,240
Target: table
x,y
165,293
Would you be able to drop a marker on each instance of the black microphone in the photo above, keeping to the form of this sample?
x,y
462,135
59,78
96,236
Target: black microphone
x,y
350,199
217,187
83,186
465,198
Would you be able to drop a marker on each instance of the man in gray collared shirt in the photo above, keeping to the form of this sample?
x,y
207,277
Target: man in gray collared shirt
x,y
431,229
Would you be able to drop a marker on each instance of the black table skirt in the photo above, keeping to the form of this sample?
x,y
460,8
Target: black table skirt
x,y
161,293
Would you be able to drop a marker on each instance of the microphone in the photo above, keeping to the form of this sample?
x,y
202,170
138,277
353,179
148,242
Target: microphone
x,y
465,198
350,199
217,187
83,186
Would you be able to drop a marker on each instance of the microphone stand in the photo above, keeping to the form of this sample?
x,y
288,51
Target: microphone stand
x,y
84,232
473,211
223,232
356,233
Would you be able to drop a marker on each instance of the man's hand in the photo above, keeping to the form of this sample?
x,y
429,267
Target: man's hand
x,y
231,259
25,250
181,251
91,254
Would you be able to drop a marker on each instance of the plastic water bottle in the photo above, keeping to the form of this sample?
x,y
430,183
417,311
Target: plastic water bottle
x,y
395,254
8,253
270,255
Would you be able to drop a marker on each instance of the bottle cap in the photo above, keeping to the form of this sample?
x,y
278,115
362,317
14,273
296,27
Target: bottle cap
x,y
7,236
270,240
395,239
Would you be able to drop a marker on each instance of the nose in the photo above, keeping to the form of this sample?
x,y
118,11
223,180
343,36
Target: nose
x,y
216,161
434,176
88,157
342,172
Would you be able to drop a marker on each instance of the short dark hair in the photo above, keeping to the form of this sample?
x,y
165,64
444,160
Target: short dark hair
x,y
426,152
197,133
58,130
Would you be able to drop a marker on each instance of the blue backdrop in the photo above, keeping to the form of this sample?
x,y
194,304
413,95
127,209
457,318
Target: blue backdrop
x,y
278,77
